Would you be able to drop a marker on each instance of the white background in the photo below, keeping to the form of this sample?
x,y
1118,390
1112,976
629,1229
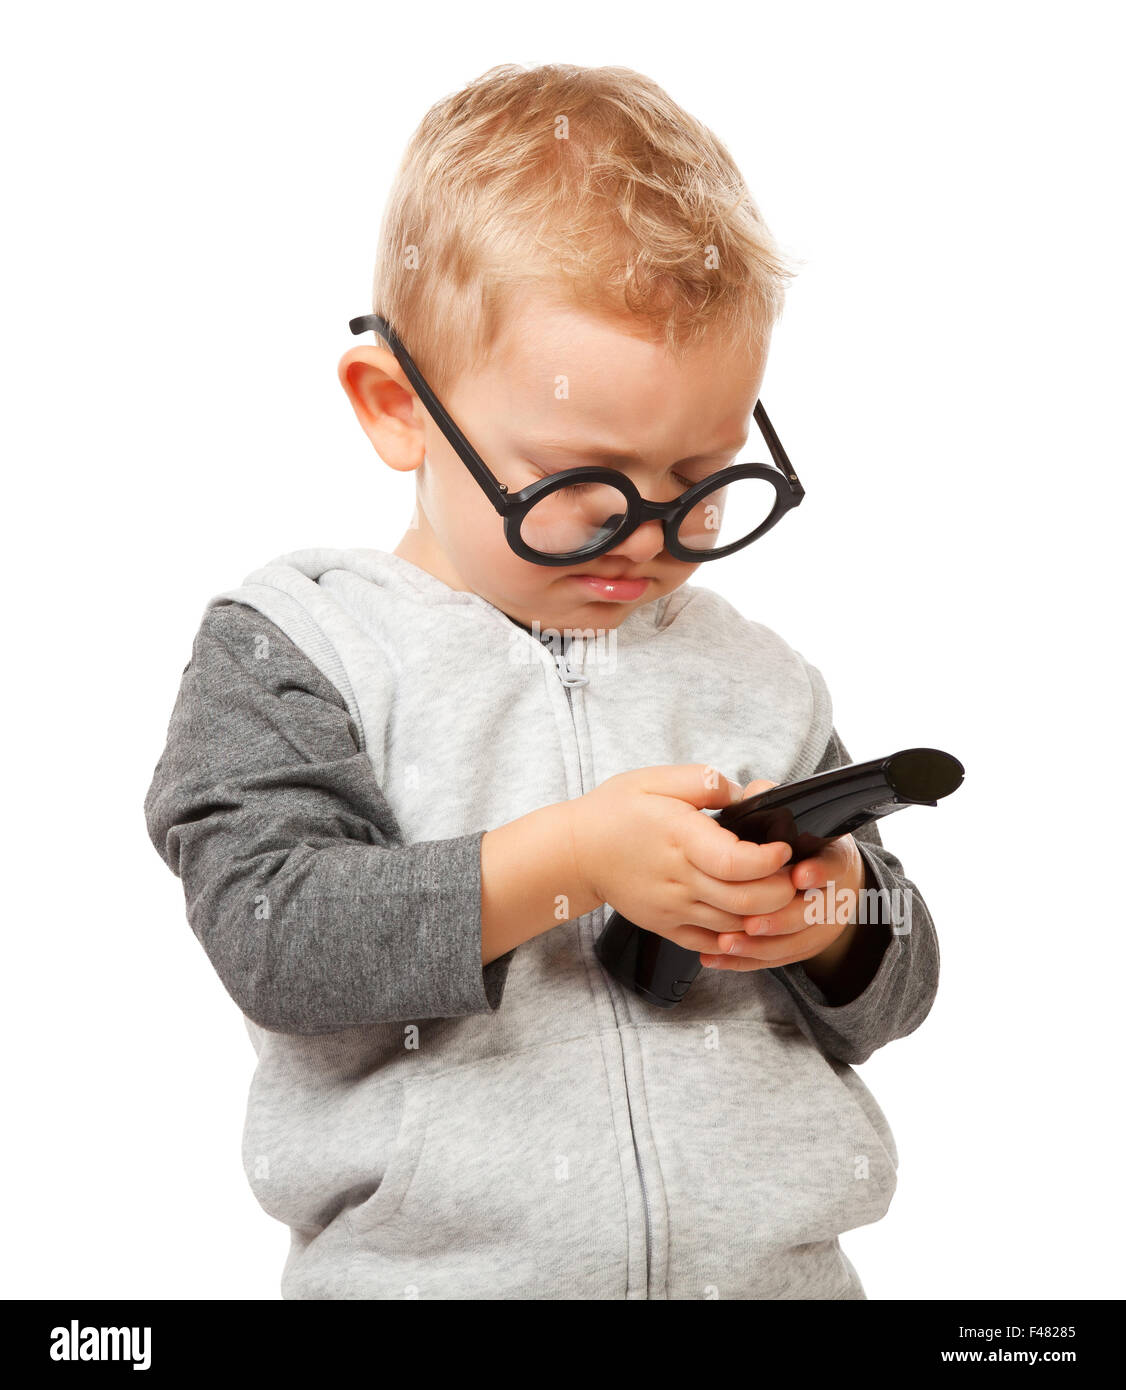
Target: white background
x,y
193,196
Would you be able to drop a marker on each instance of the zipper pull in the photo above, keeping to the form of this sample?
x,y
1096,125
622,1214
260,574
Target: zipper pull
x,y
569,677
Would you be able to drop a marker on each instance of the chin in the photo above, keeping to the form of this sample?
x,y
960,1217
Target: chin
x,y
608,613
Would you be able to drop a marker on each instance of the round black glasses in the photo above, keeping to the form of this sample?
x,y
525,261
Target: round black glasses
x,y
581,513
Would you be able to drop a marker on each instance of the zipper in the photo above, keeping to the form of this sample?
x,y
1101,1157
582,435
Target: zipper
x,y
640,1174
570,679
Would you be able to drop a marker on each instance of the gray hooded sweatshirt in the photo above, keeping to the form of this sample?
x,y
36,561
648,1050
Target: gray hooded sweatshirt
x,y
348,729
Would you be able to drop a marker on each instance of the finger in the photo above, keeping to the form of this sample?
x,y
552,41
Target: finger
x,y
744,963
760,784
787,922
728,962
810,873
721,854
744,900
816,871
702,930
782,949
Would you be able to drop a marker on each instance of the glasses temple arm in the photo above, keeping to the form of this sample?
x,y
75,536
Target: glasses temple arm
x,y
775,445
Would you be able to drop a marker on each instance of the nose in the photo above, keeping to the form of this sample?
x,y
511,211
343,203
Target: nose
x,y
645,543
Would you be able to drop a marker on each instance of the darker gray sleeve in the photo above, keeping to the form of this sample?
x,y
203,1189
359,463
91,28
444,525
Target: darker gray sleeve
x,y
296,881
900,994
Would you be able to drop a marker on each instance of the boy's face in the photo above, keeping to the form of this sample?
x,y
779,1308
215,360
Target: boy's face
x,y
579,383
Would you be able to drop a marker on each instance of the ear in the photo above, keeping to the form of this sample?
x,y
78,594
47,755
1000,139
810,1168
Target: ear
x,y
385,403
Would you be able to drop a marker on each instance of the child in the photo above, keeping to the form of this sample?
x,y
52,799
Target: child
x,y
401,789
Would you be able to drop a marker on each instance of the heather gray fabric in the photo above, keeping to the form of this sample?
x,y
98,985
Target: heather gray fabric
x,y
531,1130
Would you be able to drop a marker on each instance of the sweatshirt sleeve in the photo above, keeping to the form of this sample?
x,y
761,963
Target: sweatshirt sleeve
x,y
900,994
296,882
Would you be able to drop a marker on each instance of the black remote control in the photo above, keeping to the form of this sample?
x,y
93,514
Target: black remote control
x,y
807,815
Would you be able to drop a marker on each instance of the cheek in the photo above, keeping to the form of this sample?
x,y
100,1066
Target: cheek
x,y
474,536
460,513
501,568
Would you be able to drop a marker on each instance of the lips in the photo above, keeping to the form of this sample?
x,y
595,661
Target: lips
x,y
611,578
621,590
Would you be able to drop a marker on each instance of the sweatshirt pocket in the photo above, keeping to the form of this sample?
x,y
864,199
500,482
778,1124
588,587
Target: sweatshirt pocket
x,y
399,1168
504,1182
765,1155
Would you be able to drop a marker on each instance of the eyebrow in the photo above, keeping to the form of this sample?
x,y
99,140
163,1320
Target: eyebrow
x,y
604,453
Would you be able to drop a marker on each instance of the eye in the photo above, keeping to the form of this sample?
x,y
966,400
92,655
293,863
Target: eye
x,y
543,474
575,489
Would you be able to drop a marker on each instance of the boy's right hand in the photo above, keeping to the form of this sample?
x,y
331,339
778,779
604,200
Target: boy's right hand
x,y
641,845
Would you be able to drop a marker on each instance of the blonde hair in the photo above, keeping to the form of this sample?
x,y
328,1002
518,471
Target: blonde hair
x,y
590,183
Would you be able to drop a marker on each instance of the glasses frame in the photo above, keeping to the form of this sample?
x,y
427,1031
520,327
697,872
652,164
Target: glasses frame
x,y
513,507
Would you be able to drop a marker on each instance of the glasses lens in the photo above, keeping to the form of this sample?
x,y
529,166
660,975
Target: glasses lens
x,y
727,514
573,518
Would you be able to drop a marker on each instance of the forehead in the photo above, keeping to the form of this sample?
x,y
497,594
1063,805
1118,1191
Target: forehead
x,y
560,370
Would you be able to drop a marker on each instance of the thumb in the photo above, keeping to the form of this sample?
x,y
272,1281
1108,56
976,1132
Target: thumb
x,y
699,784
760,784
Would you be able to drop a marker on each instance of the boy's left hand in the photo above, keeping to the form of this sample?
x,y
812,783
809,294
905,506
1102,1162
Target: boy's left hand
x,y
783,936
